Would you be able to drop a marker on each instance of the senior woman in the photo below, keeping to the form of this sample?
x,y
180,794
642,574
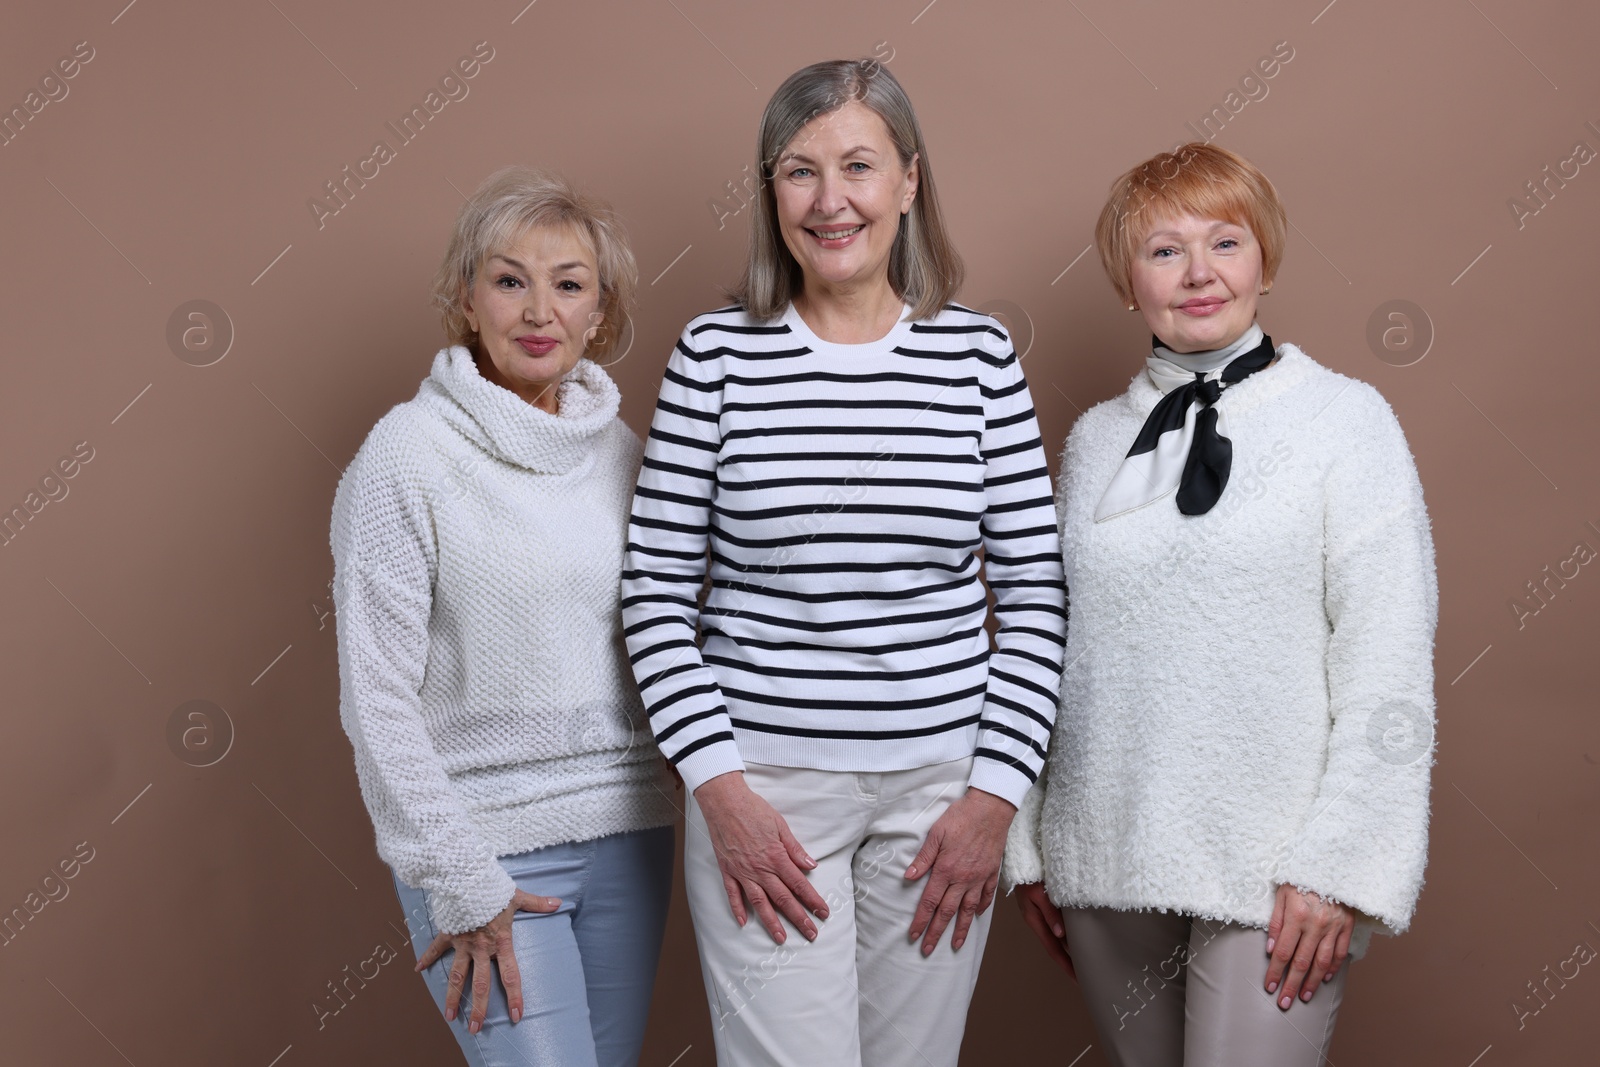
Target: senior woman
x,y
477,540
1237,797
842,443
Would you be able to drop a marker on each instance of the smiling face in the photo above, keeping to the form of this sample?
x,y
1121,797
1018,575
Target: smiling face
x,y
1196,280
840,192
534,305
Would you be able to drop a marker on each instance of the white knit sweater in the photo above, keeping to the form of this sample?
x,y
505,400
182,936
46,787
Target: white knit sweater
x,y
1248,694
477,546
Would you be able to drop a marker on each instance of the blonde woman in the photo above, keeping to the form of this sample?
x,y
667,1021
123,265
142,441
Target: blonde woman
x,y
477,540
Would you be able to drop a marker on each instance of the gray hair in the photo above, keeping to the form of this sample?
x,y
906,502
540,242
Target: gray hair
x,y
924,268
506,205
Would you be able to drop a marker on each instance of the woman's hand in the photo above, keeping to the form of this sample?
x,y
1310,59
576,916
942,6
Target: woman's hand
x,y
493,938
1044,919
760,859
1312,933
961,857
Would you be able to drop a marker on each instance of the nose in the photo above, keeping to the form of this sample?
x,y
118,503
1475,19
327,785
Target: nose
x,y
831,197
540,306
1199,270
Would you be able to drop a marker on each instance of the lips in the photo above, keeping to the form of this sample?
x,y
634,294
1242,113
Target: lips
x,y
836,236
537,344
1204,305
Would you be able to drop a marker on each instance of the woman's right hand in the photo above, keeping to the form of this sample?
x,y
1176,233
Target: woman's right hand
x,y
493,938
761,860
1044,919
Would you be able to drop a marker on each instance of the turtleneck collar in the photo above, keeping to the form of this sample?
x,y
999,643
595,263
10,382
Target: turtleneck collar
x,y
507,426
1169,369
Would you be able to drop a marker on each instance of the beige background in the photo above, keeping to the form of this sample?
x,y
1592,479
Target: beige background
x,y
189,559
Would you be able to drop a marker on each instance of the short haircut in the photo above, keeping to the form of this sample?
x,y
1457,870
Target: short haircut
x,y
512,201
924,269
1197,179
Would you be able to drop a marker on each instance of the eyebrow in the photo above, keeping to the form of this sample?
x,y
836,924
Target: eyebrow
x,y
571,265
1220,224
800,157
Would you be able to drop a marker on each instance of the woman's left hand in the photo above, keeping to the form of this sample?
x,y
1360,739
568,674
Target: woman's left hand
x,y
961,857
1309,938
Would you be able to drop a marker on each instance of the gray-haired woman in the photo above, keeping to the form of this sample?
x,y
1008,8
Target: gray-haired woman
x,y
477,540
842,443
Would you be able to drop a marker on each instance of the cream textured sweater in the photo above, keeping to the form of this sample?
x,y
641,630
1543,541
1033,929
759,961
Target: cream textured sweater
x,y
1248,694
477,546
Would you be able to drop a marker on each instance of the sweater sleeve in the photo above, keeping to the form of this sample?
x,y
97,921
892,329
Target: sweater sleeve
x,y
385,564
665,567
1022,561
1365,842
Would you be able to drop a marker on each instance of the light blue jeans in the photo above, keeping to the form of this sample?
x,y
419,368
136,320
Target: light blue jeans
x,y
587,968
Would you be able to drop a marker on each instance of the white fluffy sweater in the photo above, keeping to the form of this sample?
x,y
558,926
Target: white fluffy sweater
x,y
484,685
1248,694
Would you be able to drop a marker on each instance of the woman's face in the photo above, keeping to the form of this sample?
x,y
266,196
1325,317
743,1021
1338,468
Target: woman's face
x,y
535,305
840,192
1196,280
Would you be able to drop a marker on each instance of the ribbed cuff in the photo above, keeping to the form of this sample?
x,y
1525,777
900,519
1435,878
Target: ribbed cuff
x,y
700,767
473,902
1001,779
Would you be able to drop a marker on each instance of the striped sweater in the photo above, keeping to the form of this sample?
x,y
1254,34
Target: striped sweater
x,y
843,492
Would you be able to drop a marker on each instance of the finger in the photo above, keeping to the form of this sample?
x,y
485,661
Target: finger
x,y
539,904
480,990
1341,950
1282,953
795,880
967,912
458,978
784,900
764,913
797,852
433,952
949,906
1275,927
1305,954
1052,944
932,893
922,862
510,975
735,899
1321,963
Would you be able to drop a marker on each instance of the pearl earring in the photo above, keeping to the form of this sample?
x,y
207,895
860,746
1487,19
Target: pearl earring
x,y
1133,307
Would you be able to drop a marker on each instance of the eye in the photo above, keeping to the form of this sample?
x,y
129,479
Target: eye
x,y
800,172
851,167
1228,242
567,285
1161,253
507,278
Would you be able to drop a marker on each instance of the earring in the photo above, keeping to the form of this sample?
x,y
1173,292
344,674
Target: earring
x,y
1133,307
1267,290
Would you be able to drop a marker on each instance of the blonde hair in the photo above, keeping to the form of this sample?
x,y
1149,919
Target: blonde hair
x,y
1197,179
507,204
924,268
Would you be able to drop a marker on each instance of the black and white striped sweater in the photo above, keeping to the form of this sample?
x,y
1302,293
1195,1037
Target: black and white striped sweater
x,y
844,491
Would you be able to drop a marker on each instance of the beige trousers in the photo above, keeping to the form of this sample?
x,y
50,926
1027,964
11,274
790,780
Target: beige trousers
x,y
862,993
1168,990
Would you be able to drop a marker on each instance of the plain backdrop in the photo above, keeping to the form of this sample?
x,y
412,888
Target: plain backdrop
x,y
171,689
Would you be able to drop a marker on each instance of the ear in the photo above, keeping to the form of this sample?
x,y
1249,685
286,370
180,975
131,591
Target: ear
x,y
913,179
467,309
